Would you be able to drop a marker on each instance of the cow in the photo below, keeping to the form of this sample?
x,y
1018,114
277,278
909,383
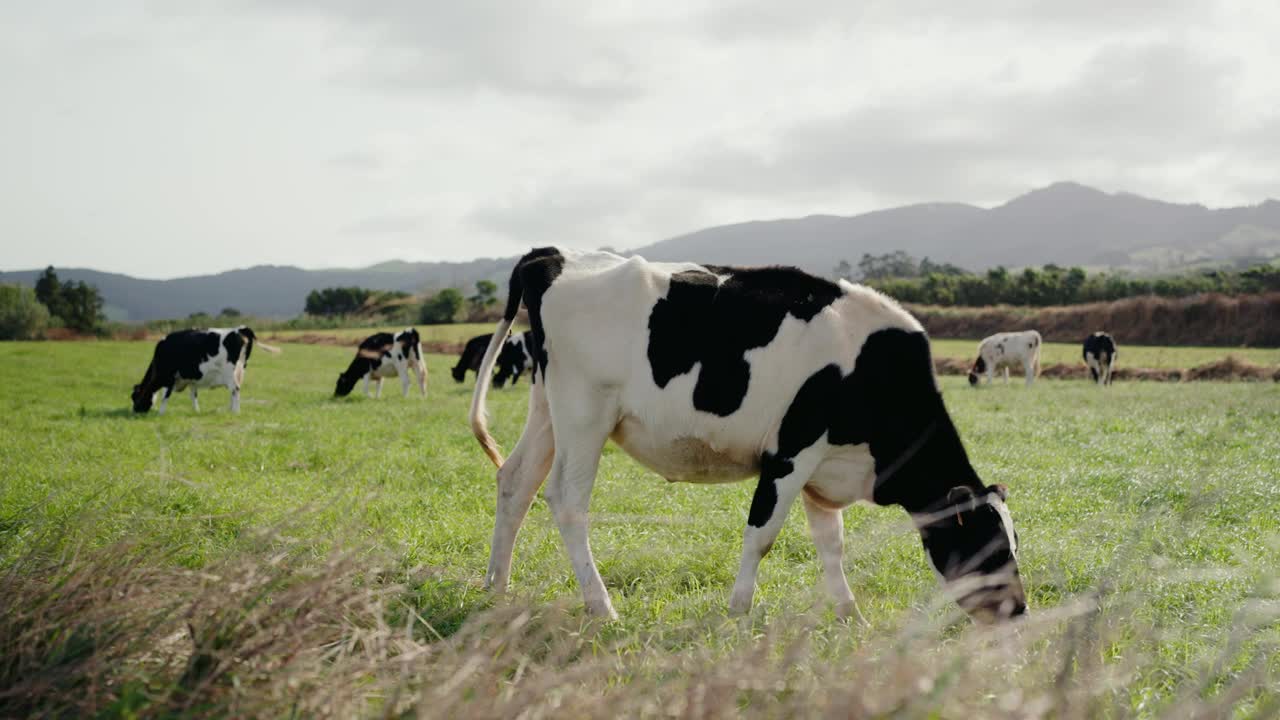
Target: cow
x,y
1100,355
383,355
472,354
197,359
1002,350
512,360
823,390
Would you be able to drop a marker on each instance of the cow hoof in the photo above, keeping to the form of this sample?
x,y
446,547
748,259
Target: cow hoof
x,y
850,614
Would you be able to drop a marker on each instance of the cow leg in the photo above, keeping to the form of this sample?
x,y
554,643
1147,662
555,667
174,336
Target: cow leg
x,y
377,393
164,401
366,384
826,526
195,402
518,481
235,397
1006,374
404,381
1029,367
780,482
421,371
581,424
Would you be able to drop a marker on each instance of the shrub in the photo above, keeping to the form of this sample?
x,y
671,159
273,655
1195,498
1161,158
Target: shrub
x,y
22,316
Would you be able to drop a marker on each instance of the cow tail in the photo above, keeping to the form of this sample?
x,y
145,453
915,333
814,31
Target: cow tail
x,y
479,415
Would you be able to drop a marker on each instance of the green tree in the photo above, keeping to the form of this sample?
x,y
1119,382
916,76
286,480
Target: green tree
x,y
22,316
229,312
81,307
442,308
486,296
49,290
336,300
843,270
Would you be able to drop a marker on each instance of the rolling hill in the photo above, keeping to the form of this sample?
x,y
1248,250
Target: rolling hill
x,y
1064,223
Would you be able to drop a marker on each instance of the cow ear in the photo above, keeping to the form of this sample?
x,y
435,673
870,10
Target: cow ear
x,y
960,499
999,489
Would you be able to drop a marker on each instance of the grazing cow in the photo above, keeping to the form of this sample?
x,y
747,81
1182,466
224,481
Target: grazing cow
x,y
383,355
472,354
196,359
512,360
1002,350
707,374
1100,355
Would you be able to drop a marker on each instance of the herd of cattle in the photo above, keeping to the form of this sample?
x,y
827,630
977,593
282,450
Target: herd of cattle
x,y
824,391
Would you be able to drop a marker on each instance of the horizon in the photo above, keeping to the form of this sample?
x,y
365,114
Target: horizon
x,y
164,140
517,253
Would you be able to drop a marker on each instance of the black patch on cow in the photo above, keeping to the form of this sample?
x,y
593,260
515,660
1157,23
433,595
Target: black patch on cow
x,y
362,365
471,357
530,280
234,343
705,320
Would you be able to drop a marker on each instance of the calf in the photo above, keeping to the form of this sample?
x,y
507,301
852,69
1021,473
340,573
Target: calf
x,y
196,359
512,359
1005,349
704,374
383,355
1100,355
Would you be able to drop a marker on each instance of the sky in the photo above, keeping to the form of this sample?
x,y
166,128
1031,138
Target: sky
x,y
165,138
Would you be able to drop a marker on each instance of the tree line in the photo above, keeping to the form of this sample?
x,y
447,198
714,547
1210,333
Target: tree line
x,y
27,313
446,306
927,283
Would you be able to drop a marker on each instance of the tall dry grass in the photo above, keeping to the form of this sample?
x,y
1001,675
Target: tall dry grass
x,y
1209,319
118,632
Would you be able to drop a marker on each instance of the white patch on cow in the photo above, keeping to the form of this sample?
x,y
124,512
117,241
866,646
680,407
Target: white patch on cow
x,y
1006,520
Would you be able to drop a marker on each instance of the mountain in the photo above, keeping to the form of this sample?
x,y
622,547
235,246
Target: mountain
x,y
1064,223
263,290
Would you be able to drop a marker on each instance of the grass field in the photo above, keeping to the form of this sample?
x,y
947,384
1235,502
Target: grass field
x,y
1130,355
1149,516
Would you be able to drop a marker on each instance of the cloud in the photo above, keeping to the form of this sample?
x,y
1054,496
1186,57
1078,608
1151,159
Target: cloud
x,y
534,49
387,225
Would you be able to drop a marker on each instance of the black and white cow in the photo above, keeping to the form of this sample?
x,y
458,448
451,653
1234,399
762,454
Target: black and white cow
x,y
706,374
513,359
197,359
383,355
1100,355
1005,350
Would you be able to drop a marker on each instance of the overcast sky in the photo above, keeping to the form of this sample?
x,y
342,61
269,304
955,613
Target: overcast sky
x,y
182,137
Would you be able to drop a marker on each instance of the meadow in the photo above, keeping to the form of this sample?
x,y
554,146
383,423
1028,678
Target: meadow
x,y
323,556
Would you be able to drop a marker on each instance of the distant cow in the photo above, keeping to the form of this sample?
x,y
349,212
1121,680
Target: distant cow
x,y
196,359
823,390
383,355
1100,355
1002,350
512,360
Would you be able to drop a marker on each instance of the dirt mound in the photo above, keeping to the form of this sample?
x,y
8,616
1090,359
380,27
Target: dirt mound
x,y
1233,368
1230,368
1208,319
443,347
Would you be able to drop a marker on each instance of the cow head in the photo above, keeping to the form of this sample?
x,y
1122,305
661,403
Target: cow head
x,y
459,373
346,382
142,399
979,366
972,545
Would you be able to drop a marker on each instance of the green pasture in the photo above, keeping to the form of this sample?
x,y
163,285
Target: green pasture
x,y
1166,494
